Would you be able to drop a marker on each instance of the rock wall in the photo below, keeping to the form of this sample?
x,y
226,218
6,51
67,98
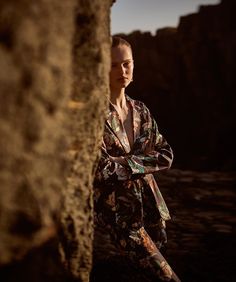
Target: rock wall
x,y
88,104
186,77
54,60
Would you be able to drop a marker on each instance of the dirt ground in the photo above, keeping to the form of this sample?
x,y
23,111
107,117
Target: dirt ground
x,y
201,234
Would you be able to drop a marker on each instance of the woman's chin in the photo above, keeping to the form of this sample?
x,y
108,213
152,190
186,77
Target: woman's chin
x,y
124,84
120,85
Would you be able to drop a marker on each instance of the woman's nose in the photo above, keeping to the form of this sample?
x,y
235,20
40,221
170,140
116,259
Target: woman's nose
x,y
121,69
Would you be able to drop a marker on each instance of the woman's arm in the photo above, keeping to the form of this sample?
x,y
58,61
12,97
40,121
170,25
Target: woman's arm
x,y
123,167
111,168
151,151
152,158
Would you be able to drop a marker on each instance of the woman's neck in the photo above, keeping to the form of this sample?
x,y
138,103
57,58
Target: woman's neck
x,y
117,98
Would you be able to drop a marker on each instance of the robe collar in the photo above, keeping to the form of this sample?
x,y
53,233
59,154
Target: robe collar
x,y
115,124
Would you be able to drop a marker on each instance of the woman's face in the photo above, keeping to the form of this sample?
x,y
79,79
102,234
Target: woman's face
x,y
122,66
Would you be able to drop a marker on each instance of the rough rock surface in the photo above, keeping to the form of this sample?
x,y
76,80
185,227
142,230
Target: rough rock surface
x,y
35,84
55,59
91,64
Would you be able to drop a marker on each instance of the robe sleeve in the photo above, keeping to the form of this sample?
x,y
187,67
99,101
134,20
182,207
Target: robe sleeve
x,y
155,153
111,171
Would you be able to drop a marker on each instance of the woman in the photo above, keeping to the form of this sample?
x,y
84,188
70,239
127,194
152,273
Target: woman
x,y
130,212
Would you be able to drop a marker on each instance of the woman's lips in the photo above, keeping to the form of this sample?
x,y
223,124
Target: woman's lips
x,y
123,78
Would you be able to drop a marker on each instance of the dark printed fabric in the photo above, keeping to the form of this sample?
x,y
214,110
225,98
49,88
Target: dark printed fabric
x,y
130,211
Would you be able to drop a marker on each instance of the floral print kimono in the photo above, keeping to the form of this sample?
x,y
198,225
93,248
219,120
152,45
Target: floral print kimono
x,y
129,209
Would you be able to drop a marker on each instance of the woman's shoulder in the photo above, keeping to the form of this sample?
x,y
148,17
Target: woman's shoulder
x,y
137,104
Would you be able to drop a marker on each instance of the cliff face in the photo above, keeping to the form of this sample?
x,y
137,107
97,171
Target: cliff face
x,y
186,77
55,60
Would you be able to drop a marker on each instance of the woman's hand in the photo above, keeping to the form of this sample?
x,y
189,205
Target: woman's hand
x,y
120,160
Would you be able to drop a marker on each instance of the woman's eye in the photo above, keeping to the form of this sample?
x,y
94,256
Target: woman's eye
x,y
127,64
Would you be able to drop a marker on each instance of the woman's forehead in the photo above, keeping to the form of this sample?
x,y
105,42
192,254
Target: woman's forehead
x,y
121,53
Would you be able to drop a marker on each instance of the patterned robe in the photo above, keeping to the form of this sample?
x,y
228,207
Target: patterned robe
x,y
129,208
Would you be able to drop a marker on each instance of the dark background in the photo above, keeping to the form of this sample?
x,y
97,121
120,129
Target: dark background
x,y
186,77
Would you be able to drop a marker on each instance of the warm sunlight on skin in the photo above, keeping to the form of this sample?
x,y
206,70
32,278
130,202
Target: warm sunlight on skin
x,y
121,73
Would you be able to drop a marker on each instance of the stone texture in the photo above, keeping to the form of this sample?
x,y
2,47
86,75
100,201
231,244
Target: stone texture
x,y
55,59
88,105
35,84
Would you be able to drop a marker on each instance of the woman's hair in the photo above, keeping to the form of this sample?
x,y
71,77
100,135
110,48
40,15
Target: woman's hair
x,y
117,41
